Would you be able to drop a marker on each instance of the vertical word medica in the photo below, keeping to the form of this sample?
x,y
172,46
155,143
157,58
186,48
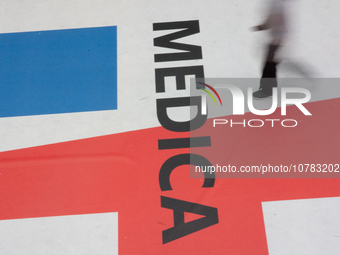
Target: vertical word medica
x,y
180,52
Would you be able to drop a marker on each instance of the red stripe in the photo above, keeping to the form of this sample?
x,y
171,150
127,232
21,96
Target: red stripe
x,y
119,173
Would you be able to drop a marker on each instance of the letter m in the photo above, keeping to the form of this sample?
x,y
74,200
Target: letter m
x,y
166,41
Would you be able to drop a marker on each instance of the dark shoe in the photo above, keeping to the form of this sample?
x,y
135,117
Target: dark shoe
x,y
268,80
260,94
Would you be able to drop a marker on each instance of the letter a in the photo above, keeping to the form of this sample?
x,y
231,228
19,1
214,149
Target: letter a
x,y
181,228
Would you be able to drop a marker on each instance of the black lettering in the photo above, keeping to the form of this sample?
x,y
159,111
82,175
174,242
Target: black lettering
x,y
184,159
179,143
188,28
179,73
181,228
180,126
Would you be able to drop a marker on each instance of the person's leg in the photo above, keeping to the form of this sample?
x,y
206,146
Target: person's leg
x,y
268,79
271,52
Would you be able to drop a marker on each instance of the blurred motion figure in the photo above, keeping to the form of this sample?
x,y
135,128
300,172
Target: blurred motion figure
x,y
276,24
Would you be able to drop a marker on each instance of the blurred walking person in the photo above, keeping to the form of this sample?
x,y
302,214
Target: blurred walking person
x,y
276,24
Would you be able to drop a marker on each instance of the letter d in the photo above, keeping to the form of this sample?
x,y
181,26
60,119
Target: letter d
x,y
166,122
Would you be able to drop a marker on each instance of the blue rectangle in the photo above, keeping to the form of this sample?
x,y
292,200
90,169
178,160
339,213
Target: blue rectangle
x,y
59,71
